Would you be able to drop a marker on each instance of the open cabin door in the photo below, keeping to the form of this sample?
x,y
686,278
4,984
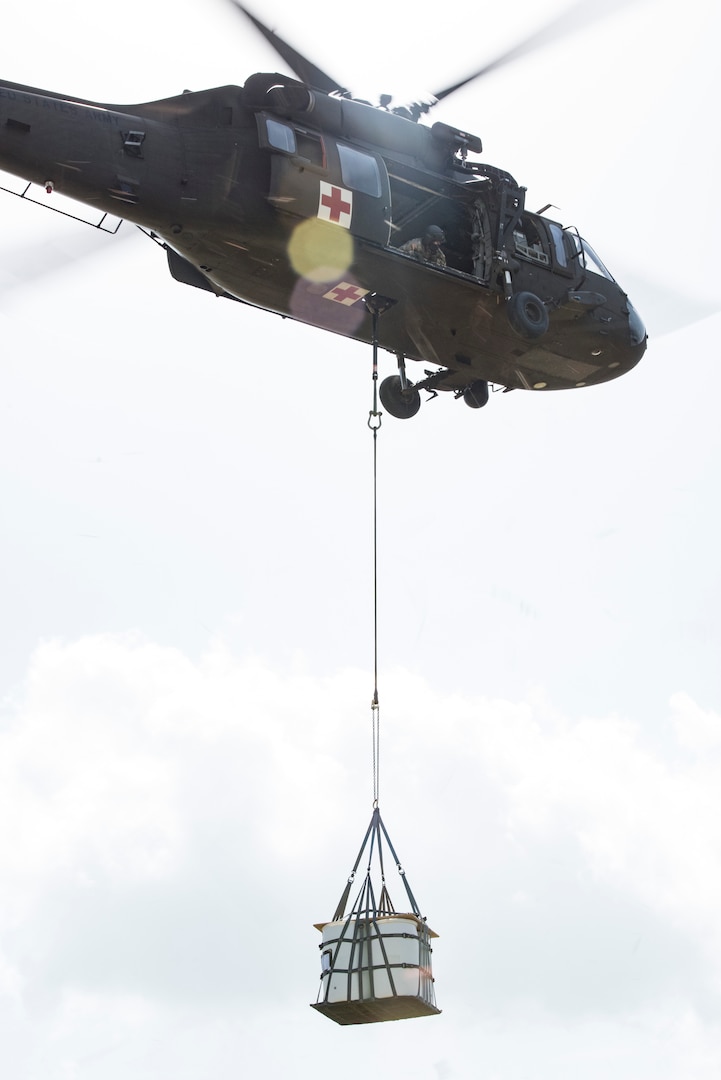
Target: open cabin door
x,y
316,176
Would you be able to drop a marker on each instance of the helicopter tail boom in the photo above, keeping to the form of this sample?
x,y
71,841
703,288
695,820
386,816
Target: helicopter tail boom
x,y
89,152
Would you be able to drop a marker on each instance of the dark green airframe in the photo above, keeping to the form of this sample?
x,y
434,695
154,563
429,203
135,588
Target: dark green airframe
x,y
290,196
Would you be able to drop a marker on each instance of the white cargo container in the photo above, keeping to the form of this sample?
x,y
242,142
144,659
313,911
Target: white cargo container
x,y
376,968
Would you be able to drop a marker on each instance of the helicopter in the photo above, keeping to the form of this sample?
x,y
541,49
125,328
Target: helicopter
x,y
291,196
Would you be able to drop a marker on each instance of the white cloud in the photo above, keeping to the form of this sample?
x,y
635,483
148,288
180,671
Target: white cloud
x,y
696,729
82,781
180,824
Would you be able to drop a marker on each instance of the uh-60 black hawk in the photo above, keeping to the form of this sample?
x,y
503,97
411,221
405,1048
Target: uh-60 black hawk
x,y
289,195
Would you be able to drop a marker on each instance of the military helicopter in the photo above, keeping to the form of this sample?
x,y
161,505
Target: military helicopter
x,y
290,195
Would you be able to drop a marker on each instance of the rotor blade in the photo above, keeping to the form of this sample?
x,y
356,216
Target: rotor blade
x,y
306,71
580,15
666,310
25,266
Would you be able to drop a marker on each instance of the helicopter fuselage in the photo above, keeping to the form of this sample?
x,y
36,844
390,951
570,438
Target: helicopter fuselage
x,y
297,202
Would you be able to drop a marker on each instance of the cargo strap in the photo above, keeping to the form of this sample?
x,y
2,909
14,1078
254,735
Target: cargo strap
x,y
365,904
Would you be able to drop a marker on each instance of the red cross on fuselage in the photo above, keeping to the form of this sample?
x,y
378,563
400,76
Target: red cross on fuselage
x,y
341,293
336,204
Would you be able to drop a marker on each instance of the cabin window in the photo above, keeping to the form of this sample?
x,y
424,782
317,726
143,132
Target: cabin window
x,y
310,147
280,136
359,171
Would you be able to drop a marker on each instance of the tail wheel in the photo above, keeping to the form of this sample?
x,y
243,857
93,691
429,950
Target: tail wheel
x,y
476,395
527,315
398,402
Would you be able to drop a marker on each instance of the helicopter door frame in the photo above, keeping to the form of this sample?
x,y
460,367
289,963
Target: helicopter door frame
x,y
363,177
297,164
564,253
313,175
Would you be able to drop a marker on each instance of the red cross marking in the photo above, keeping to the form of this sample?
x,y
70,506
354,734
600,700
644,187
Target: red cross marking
x,y
336,204
349,292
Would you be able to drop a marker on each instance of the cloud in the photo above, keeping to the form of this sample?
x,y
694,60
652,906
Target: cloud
x,y
645,823
696,729
177,826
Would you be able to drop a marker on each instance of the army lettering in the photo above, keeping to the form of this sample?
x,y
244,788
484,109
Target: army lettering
x,y
67,108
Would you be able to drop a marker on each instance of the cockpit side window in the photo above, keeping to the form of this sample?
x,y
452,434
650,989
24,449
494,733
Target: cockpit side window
x,y
527,241
560,250
565,249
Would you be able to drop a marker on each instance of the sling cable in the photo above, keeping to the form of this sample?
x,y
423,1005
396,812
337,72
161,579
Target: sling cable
x,y
375,961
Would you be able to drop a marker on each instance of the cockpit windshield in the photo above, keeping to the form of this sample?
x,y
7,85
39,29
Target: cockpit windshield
x,y
593,263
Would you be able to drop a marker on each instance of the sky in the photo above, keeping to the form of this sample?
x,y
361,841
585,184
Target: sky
x,y
186,663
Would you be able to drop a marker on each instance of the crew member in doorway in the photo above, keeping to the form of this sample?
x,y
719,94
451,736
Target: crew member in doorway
x,y
427,248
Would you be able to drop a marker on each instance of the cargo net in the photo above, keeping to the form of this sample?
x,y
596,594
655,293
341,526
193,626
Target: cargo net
x,y
375,961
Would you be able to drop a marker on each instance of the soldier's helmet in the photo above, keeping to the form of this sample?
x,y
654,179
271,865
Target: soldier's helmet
x,y
435,235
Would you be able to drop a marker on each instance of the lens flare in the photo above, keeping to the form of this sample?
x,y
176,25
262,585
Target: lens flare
x,y
319,251
314,303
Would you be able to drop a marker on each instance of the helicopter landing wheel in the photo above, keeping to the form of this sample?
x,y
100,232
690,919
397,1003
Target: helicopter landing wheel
x,y
398,402
476,395
527,315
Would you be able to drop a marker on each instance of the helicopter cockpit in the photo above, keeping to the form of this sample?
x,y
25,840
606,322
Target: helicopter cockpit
x,y
592,261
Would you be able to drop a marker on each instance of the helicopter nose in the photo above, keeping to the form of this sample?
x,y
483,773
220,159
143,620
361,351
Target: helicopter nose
x,y
635,325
